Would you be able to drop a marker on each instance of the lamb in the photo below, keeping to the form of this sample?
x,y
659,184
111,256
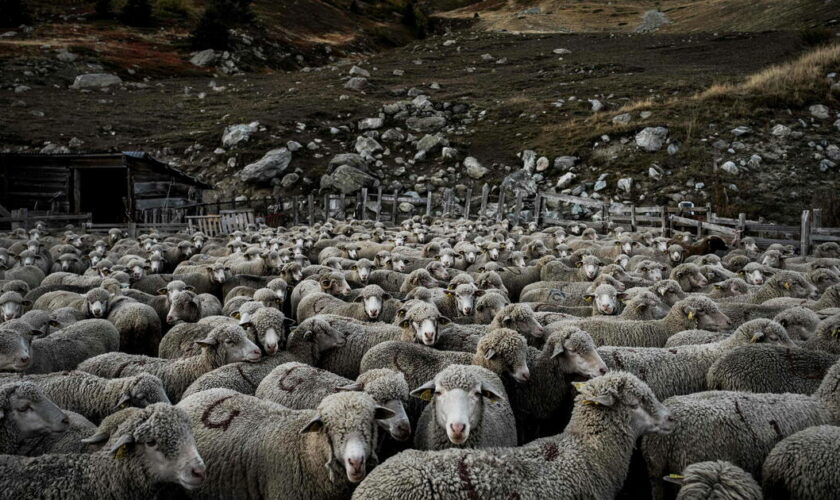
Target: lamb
x,y
306,344
599,439
367,306
94,397
830,298
770,368
468,408
25,412
682,370
739,427
150,447
689,313
781,284
388,389
800,323
715,479
827,336
803,465
258,449
224,344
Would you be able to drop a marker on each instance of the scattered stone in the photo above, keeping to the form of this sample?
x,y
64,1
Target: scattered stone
x,y
293,146
357,83
54,149
449,43
561,52
448,153
371,123
486,57
398,72
392,135
596,105
290,180
833,152
780,131
742,130
654,173
826,164
75,142
429,143
65,56
625,184
623,118
474,168
427,124
235,134
600,185
730,168
529,159
357,71
204,58
367,146
542,164
95,80
819,111
565,180
644,115
673,148
651,138
268,167
352,159
19,89
348,179
520,182
406,207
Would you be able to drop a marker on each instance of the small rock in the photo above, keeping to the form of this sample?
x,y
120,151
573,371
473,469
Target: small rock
x,y
542,164
625,184
427,124
357,71
449,43
474,168
204,58
600,185
357,83
51,149
561,52
289,180
673,149
565,162
269,166
66,56
833,152
367,146
596,105
742,130
398,72
348,179
819,111
644,115
730,168
371,123
406,207
293,146
651,138
654,173
529,159
780,131
235,134
565,180
826,164
623,118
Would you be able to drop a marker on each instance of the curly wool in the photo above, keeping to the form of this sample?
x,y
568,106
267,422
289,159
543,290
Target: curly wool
x,y
804,465
68,347
770,368
719,480
827,336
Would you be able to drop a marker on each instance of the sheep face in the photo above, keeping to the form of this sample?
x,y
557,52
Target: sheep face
x,y
625,393
398,426
363,268
823,278
319,332
520,318
184,308
590,266
218,274
335,284
144,390
731,287
701,313
438,271
575,352
447,258
29,411
422,319
14,350
488,306
794,285
505,351
155,265
232,344
67,262
650,270
605,299
346,420
464,296
676,254
689,277
373,297
96,302
773,258
623,260
647,305
11,305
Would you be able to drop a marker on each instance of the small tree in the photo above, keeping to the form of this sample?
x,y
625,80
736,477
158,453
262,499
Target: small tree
x,y
136,13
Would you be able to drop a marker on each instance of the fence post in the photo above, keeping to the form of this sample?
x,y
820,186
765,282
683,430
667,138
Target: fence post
x,y
699,227
343,207
517,211
394,208
311,202
132,229
379,203
467,203
805,234
663,221
429,203
816,217
501,208
537,208
485,193
294,209
633,217
364,203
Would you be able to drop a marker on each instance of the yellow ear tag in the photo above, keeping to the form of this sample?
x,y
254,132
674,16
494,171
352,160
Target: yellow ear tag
x,y
589,402
426,395
578,385
691,315
676,476
122,451
123,406
787,286
837,332
587,299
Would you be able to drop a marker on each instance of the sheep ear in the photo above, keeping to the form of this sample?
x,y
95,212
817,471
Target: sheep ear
x,y
558,350
449,291
26,303
55,324
425,391
314,425
607,399
386,296
98,437
674,478
162,291
124,401
490,393
479,293
190,288
360,298
443,320
404,323
717,286
579,263
490,354
207,342
690,313
289,321
589,297
787,285
354,387
235,315
382,413
246,324
120,446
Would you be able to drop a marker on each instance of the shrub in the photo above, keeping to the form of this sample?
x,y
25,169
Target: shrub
x,y
136,13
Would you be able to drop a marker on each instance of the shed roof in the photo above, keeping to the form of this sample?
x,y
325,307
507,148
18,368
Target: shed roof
x,y
125,157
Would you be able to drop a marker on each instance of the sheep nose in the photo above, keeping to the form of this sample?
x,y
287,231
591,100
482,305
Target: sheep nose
x,y
24,358
199,473
602,370
65,420
356,463
457,428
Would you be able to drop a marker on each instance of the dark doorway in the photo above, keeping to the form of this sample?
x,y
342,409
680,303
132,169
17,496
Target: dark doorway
x,y
101,192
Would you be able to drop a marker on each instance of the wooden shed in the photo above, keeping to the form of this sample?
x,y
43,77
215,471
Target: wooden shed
x,y
112,187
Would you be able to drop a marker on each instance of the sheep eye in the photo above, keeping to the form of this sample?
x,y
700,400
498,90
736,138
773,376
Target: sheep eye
x,y
24,409
437,393
229,342
151,443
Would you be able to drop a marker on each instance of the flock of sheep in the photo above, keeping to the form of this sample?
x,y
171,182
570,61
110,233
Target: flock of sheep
x,y
437,359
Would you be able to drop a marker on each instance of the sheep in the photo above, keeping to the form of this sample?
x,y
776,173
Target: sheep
x,y
682,370
332,283
488,305
311,385
739,427
803,465
180,340
458,301
609,415
150,447
12,305
690,277
419,325
224,344
32,275
367,306
830,298
258,449
715,479
69,440
669,290
730,287
306,344
25,412
568,353
770,368
692,312
94,303
568,293
468,408
800,323
138,324
518,317
827,336
695,337
62,350
190,307
781,284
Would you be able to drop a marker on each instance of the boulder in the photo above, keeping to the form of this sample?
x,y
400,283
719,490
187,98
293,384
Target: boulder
x,y
367,146
268,167
426,124
520,182
349,180
819,111
371,123
651,138
204,58
352,159
474,168
780,130
235,134
565,162
357,83
96,80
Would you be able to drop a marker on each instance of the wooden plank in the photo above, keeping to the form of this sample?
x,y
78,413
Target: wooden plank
x,y
379,203
517,210
394,207
295,214
501,208
310,201
805,234
816,218
825,231
772,227
823,237
467,203
429,203
364,202
485,193
632,217
586,202
537,208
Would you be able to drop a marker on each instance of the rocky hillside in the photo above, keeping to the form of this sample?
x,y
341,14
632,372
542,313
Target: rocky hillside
x,y
745,121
